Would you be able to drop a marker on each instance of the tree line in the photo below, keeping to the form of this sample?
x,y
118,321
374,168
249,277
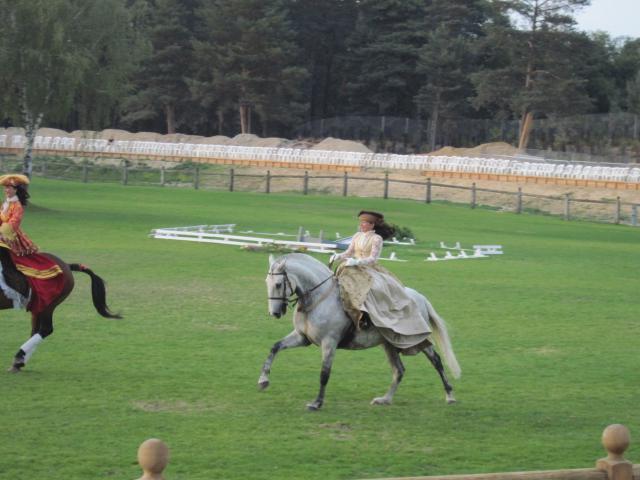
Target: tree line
x,y
265,66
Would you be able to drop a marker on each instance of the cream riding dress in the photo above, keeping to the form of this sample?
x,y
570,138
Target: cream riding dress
x,y
368,287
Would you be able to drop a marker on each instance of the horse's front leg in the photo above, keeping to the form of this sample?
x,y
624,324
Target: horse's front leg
x,y
328,346
294,339
398,372
41,328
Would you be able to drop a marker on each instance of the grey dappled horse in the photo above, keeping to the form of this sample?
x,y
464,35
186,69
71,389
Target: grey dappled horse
x,y
320,319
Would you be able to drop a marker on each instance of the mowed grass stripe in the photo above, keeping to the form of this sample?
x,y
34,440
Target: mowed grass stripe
x,y
545,335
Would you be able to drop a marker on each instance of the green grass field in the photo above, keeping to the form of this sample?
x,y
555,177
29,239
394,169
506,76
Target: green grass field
x,y
546,336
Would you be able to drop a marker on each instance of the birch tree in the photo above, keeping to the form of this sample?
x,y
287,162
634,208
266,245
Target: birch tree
x,y
48,49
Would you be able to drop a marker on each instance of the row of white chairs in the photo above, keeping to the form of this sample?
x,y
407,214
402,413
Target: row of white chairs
x,y
334,158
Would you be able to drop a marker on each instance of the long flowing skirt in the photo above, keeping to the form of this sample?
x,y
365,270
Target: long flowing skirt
x,y
376,291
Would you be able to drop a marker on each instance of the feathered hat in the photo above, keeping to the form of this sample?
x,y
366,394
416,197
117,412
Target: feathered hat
x,y
14,179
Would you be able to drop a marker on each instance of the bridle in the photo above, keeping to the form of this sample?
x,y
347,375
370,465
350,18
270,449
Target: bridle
x,y
301,297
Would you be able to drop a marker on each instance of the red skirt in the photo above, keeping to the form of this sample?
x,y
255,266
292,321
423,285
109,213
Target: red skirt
x,y
45,278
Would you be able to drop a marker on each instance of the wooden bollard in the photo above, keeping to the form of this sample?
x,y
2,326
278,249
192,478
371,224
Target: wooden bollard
x,y
153,457
615,439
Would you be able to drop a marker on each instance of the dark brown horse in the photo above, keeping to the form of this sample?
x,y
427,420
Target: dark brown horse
x,y
42,323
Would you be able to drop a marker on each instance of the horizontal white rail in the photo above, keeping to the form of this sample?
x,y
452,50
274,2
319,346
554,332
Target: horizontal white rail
x,y
207,237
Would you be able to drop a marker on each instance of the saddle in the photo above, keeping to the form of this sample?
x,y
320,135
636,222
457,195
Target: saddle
x,y
12,276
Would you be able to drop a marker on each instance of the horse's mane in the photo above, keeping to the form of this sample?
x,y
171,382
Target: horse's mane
x,y
303,257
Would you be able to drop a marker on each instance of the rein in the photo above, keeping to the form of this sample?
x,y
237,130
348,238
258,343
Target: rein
x,y
300,298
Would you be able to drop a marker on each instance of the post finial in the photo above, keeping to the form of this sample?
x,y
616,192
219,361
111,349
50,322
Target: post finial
x,y
615,439
153,457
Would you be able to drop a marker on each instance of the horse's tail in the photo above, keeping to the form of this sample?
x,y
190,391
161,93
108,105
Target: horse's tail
x,y
443,342
98,291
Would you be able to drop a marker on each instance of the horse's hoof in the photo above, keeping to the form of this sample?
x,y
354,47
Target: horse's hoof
x,y
312,407
15,368
381,401
263,385
451,399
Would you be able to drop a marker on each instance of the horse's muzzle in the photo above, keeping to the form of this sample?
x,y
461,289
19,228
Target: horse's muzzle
x,y
280,312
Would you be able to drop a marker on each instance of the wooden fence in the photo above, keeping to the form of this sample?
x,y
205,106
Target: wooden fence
x,y
153,457
382,185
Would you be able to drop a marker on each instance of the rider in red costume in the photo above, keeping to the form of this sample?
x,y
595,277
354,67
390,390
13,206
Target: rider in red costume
x,y
43,274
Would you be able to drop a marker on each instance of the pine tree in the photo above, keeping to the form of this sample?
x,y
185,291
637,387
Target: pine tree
x,y
249,61
161,88
447,59
531,74
322,30
383,52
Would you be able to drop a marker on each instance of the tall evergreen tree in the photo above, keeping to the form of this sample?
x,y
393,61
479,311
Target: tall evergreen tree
x,y
532,72
626,74
249,59
113,50
447,59
322,31
383,52
161,89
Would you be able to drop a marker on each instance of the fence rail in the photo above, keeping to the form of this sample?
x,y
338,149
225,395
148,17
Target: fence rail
x,y
506,168
153,457
370,185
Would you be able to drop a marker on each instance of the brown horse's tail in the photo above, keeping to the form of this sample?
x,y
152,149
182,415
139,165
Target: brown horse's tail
x,y
98,292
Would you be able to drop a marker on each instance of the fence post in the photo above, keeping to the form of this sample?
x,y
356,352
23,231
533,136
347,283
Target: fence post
x,y
305,183
519,200
618,209
634,215
345,184
386,185
428,198
473,195
162,176
231,175
196,177
85,172
44,167
615,439
153,457
567,211
125,173
267,188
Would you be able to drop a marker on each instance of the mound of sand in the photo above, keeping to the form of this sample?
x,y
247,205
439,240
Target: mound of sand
x,y
494,148
11,131
216,140
52,132
338,145
245,140
251,140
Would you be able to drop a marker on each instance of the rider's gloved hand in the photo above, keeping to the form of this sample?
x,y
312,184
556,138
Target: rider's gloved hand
x,y
351,262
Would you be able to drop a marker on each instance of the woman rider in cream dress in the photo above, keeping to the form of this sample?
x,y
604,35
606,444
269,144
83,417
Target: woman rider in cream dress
x,y
367,287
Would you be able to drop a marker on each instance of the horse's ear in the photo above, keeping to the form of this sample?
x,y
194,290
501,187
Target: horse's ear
x,y
271,259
